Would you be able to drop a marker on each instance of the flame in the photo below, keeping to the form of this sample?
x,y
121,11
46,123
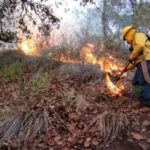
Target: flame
x,y
28,46
67,59
109,65
87,54
114,89
89,58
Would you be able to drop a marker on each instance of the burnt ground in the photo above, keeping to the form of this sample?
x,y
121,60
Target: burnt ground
x,y
52,105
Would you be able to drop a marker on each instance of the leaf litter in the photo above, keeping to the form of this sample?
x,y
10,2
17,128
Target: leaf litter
x,y
64,114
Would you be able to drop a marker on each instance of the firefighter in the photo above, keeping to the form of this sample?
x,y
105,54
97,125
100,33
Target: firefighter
x,y
139,57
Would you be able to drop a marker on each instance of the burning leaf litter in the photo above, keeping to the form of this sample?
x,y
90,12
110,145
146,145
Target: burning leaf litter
x,y
109,65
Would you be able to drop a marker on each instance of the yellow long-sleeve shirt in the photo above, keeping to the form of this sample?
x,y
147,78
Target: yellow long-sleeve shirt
x,y
141,45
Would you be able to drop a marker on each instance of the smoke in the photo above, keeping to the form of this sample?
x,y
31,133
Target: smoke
x,y
72,18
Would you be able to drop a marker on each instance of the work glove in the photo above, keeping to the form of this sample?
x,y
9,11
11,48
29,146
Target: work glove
x,y
125,70
130,67
130,60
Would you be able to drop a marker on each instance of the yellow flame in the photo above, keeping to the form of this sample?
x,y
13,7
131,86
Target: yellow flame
x,y
108,64
111,66
28,46
67,59
114,89
87,54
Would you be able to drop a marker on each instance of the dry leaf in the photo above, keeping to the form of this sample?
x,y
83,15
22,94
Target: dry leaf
x,y
88,139
137,136
80,102
94,142
86,144
146,123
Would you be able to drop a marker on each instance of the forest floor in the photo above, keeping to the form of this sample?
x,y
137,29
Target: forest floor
x,y
54,105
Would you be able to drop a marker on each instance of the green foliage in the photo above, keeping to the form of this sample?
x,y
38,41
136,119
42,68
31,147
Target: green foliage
x,y
40,82
24,91
142,16
13,70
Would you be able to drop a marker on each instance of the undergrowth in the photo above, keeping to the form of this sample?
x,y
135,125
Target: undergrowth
x,y
37,84
13,70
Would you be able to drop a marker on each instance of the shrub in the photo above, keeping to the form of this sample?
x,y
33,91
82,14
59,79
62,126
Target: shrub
x,y
40,82
80,72
13,70
37,84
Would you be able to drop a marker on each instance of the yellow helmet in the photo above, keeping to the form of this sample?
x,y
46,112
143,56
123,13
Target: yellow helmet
x,y
126,30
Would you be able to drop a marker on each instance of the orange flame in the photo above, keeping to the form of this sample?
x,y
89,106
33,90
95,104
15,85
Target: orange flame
x,y
114,89
28,46
112,66
107,64
87,54
67,59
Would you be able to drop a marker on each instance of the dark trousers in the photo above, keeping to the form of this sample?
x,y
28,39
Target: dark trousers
x,y
139,81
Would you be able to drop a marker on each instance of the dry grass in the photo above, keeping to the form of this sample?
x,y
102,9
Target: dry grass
x,y
109,124
25,126
81,72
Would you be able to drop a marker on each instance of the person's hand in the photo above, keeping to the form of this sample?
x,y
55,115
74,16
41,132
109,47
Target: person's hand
x,y
125,69
130,60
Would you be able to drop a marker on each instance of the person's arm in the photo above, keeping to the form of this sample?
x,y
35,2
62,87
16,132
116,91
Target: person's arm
x,y
130,67
139,43
136,52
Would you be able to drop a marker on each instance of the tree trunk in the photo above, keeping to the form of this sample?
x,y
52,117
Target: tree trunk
x,y
104,22
134,10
